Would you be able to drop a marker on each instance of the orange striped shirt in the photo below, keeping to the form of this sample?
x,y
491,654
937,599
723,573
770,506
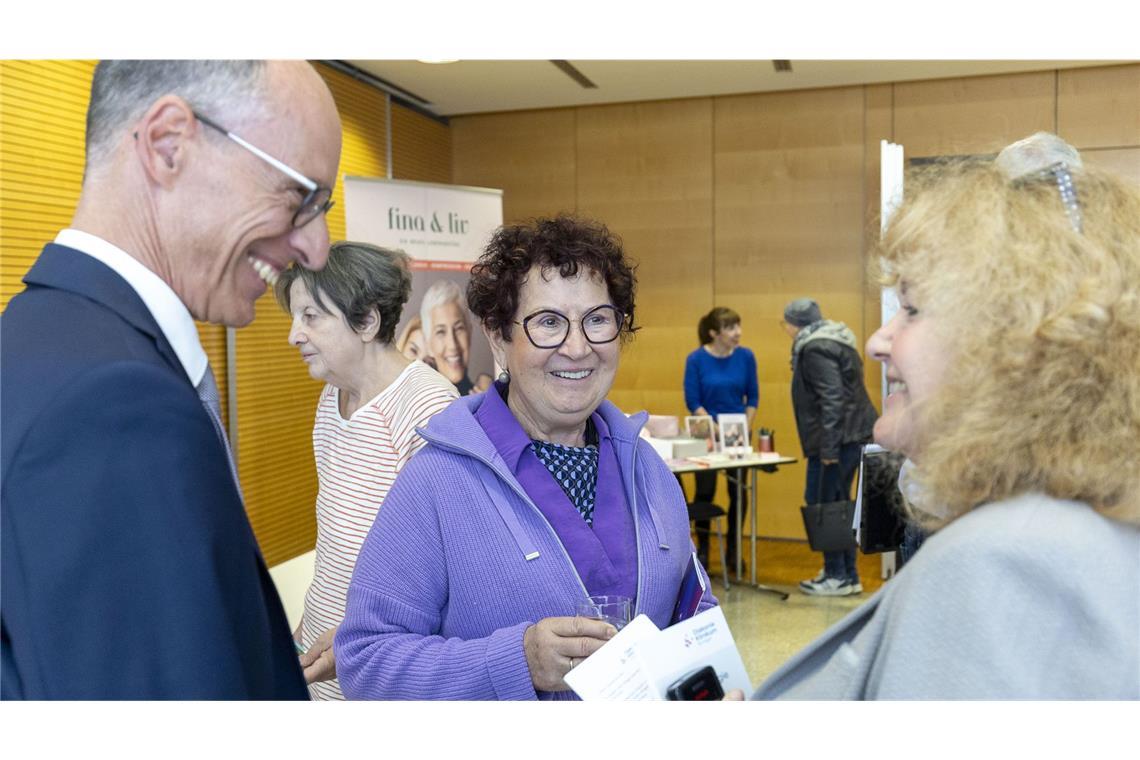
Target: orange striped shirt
x,y
357,461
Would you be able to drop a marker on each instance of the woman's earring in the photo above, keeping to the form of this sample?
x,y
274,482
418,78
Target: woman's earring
x,y
504,377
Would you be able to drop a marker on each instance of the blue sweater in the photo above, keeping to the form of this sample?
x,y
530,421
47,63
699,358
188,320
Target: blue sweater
x,y
721,386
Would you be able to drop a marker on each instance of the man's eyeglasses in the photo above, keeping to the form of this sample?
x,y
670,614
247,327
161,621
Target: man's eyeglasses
x,y
317,202
550,329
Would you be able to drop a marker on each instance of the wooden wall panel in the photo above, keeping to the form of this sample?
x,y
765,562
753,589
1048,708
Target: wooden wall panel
x,y
529,155
878,101
1123,161
645,169
794,204
276,401
978,115
1100,107
43,105
364,148
789,219
421,147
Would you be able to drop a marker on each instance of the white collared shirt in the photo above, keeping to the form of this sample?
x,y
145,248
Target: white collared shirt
x,y
161,301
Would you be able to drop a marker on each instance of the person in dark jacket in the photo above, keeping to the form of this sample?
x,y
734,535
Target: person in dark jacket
x,y
834,417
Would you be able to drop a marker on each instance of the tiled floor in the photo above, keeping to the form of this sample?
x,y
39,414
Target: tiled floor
x,y
767,630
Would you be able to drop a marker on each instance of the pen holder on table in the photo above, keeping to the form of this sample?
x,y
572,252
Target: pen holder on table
x,y
767,442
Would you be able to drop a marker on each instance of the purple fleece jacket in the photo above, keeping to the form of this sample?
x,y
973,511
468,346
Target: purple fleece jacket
x,y
460,562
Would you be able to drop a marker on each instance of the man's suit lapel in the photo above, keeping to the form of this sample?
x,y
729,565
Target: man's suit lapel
x,y
67,269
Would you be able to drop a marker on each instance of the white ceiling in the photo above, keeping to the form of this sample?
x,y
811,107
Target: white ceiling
x,y
478,86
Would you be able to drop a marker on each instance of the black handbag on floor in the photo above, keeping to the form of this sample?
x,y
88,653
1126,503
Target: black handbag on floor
x,y
829,526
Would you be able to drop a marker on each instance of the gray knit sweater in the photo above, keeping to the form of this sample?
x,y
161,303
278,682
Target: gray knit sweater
x,y
1029,598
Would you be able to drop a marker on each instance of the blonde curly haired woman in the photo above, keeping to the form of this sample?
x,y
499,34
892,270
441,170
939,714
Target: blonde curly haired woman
x,y
1014,371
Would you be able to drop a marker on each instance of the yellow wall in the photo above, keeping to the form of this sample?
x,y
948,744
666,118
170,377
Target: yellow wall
x,y
749,201
43,105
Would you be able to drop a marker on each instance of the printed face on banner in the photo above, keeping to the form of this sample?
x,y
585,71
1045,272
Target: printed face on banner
x,y
437,328
450,340
411,340
443,228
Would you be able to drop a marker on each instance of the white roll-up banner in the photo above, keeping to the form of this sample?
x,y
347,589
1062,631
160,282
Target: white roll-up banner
x,y
443,228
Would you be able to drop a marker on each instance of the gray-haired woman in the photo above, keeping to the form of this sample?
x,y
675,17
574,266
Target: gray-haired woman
x,y
344,322
447,332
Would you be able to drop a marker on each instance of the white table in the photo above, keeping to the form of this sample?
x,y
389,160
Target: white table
x,y
752,463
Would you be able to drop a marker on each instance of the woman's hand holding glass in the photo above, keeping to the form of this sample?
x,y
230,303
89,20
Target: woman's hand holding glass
x,y
555,645
611,609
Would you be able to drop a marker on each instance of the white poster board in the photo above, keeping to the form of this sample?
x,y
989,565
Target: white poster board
x,y
891,168
443,228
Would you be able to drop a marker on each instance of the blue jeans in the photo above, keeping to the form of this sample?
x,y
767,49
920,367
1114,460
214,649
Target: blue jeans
x,y
836,486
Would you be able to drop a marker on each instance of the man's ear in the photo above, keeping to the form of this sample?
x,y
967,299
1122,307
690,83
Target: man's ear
x,y
162,136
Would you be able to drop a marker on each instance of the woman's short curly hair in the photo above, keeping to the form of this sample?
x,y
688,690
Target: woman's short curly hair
x,y
1042,324
566,243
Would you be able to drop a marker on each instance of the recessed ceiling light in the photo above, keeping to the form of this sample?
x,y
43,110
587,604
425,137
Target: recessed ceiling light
x,y
441,60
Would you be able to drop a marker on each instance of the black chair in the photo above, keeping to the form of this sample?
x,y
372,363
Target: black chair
x,y
709,512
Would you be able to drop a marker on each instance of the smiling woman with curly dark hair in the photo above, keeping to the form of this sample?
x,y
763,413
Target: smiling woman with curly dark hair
x,y
527,499
563,243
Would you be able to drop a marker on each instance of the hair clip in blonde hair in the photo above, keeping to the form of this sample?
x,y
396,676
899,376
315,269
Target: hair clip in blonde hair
x,y
1064,179
1044,156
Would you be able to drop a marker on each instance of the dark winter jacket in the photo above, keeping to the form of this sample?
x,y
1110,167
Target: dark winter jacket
x,y
831,403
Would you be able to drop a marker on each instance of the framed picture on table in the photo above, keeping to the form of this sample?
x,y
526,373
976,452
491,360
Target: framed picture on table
x,y
733,433
702,427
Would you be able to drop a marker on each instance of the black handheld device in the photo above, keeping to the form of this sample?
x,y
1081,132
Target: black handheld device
x,y
882,517
698,685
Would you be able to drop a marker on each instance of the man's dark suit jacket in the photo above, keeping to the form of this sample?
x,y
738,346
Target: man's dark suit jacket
x,y
129,568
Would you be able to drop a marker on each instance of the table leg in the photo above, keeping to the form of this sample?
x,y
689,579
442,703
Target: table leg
x,y
753,484
739,525
752,478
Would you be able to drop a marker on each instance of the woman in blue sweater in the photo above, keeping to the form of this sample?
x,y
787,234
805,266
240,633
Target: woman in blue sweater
x,y
720,378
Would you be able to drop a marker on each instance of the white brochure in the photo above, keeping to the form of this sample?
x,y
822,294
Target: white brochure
x,y
641,661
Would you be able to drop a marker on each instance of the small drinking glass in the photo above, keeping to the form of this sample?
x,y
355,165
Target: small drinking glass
x,y
610,608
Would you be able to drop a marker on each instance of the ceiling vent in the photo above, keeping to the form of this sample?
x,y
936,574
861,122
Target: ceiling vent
x,y
569,70
782,66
